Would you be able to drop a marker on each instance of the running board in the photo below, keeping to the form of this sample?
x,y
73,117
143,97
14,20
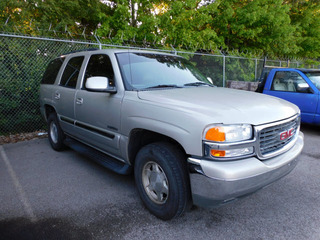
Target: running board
x,y
99,157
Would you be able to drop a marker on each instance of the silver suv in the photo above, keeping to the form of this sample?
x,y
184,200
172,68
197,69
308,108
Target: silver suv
x,y
187,141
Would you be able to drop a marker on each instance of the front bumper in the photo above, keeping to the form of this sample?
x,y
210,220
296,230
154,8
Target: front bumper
x,y
217,182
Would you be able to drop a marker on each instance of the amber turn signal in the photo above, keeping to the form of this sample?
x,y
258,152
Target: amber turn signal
x,y
217,153
216,134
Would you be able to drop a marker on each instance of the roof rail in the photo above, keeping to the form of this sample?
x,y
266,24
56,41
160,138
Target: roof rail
x,y
81,50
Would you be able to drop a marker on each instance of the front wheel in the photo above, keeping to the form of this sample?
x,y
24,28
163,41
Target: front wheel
x,y
55,133
162,180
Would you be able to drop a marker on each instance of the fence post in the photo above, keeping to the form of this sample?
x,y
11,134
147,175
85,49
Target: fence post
x,y
100,45
224,72
174,50
255,69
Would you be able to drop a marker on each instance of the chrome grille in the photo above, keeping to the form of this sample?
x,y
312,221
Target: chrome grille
x,y
269,137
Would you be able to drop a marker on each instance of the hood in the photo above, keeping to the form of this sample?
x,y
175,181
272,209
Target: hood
x,y
222,105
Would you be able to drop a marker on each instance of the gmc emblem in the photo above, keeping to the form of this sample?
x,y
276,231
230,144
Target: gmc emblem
x,y
284,135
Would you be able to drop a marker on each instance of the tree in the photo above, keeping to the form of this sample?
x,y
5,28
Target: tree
x,y
183,24
73,16
256,26
129,20
275,28
186,24
305,15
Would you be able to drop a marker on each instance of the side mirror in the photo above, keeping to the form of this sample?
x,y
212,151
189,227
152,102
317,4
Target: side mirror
x,y
210,80
99,84
303,87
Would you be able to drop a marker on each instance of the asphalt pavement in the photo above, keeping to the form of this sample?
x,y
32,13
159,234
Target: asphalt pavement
x,y
46,194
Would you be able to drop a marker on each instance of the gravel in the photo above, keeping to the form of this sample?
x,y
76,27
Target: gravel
x,y
14,138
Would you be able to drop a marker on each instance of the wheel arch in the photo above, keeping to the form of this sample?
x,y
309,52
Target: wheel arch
x,y
141,137
48,109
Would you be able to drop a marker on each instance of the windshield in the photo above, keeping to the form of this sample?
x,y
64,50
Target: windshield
x,y
151,71
314,77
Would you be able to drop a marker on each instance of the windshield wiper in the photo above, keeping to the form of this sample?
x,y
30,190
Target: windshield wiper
x,y
197,84
164,86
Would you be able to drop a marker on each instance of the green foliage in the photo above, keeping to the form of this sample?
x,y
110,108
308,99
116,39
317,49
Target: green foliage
x,y
240,69
274,28
22,64
19,82
256,26
74,16
309,63
187,25
305,15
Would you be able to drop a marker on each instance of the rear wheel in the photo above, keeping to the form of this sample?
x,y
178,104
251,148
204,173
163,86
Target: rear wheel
x,y
162,180
55,133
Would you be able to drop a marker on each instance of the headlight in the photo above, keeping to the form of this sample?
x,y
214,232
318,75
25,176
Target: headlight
x,y
229,133
226,141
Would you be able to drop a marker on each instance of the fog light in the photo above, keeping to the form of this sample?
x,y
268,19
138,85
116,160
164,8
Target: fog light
x,y
232,152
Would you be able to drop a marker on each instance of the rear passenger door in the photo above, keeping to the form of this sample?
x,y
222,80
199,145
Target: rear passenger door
x,y
285,85
98,113
64,95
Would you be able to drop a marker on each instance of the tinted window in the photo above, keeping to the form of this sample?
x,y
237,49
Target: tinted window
x,y
71,72
99,66
52,70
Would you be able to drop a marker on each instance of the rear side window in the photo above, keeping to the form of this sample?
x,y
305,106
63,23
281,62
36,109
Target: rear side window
x,y
52,70
71,72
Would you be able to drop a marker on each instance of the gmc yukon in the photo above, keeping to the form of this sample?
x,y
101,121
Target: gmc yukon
x,y
154,114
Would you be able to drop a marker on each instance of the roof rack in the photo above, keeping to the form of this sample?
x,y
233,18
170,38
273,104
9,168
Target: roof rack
x,y
274,66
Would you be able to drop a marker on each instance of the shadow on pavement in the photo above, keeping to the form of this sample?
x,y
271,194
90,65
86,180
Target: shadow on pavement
x,y
53,228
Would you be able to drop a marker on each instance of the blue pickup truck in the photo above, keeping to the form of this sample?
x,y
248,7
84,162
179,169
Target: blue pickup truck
x,y
299,86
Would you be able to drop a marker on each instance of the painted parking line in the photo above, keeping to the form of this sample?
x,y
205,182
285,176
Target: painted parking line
x,y
22,195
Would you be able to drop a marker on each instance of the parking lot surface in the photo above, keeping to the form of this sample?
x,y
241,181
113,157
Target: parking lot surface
x,y
62,195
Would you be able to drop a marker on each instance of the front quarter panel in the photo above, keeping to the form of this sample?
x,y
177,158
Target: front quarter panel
x,y
178,125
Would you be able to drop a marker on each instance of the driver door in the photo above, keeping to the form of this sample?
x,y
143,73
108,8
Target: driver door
x,y
286,84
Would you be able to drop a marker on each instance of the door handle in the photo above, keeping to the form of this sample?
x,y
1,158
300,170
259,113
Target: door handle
x,y
57,96
79,101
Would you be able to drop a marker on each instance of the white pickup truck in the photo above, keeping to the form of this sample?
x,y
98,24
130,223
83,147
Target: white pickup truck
x,y
187,141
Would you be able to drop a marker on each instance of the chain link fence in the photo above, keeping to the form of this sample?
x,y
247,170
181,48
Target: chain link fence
x,y
23,60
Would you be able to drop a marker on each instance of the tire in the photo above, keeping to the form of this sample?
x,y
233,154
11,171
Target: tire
x,y
55,133
162,180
